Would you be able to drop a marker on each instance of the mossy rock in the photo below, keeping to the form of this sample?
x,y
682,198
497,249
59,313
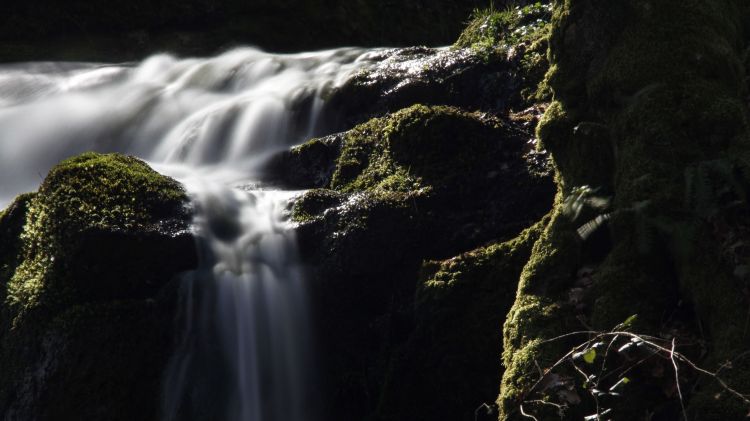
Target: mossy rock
x,y
91,256
662,109
94,214
450,367
12,220
402,77
419,147
498,64
462,174
426,182
517,34
306,166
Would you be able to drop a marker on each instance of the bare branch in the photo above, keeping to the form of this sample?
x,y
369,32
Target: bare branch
x,y
652,343
677,380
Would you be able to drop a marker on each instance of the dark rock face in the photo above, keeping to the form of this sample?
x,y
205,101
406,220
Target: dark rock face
x,y
448,368
88,308
662,105
403,334
422,183
307,166
460,77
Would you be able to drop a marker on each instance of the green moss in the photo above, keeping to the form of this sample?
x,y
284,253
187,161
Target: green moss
x,y
86,193
12,220
85,259
310,206
503,29
417,148
460,306
664,91
312,145
519,33
537,313
584,150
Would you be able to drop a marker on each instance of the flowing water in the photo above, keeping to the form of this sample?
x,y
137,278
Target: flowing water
x,y
243,353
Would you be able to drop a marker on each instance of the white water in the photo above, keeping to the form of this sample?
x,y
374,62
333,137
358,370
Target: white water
x,y
220,116
243,352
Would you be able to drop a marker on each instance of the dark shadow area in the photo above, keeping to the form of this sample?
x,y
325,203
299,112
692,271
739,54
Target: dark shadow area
x,y
101,30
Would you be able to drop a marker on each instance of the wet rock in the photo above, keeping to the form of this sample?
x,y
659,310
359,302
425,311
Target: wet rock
x,y
460,77
310,165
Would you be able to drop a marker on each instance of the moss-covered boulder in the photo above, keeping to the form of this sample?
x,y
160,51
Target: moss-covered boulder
x,y
421,183
449,367
12,220
650,110
86,314
463,173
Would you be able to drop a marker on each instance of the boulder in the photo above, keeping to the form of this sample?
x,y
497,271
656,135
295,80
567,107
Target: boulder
x,y
421,183
89,290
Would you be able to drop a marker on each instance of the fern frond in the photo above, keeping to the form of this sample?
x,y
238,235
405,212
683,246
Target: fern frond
x,y
585,230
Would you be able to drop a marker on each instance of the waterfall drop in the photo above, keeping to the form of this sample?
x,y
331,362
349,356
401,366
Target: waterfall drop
x,y
243,352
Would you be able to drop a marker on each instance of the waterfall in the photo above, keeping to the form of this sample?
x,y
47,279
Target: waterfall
x,y
243,352
220,116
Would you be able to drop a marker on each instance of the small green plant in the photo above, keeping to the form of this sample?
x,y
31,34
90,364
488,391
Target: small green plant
x,y
581,198
495,29
516,33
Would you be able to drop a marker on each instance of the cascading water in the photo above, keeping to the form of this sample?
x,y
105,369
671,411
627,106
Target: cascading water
x,y
244,348
243,353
